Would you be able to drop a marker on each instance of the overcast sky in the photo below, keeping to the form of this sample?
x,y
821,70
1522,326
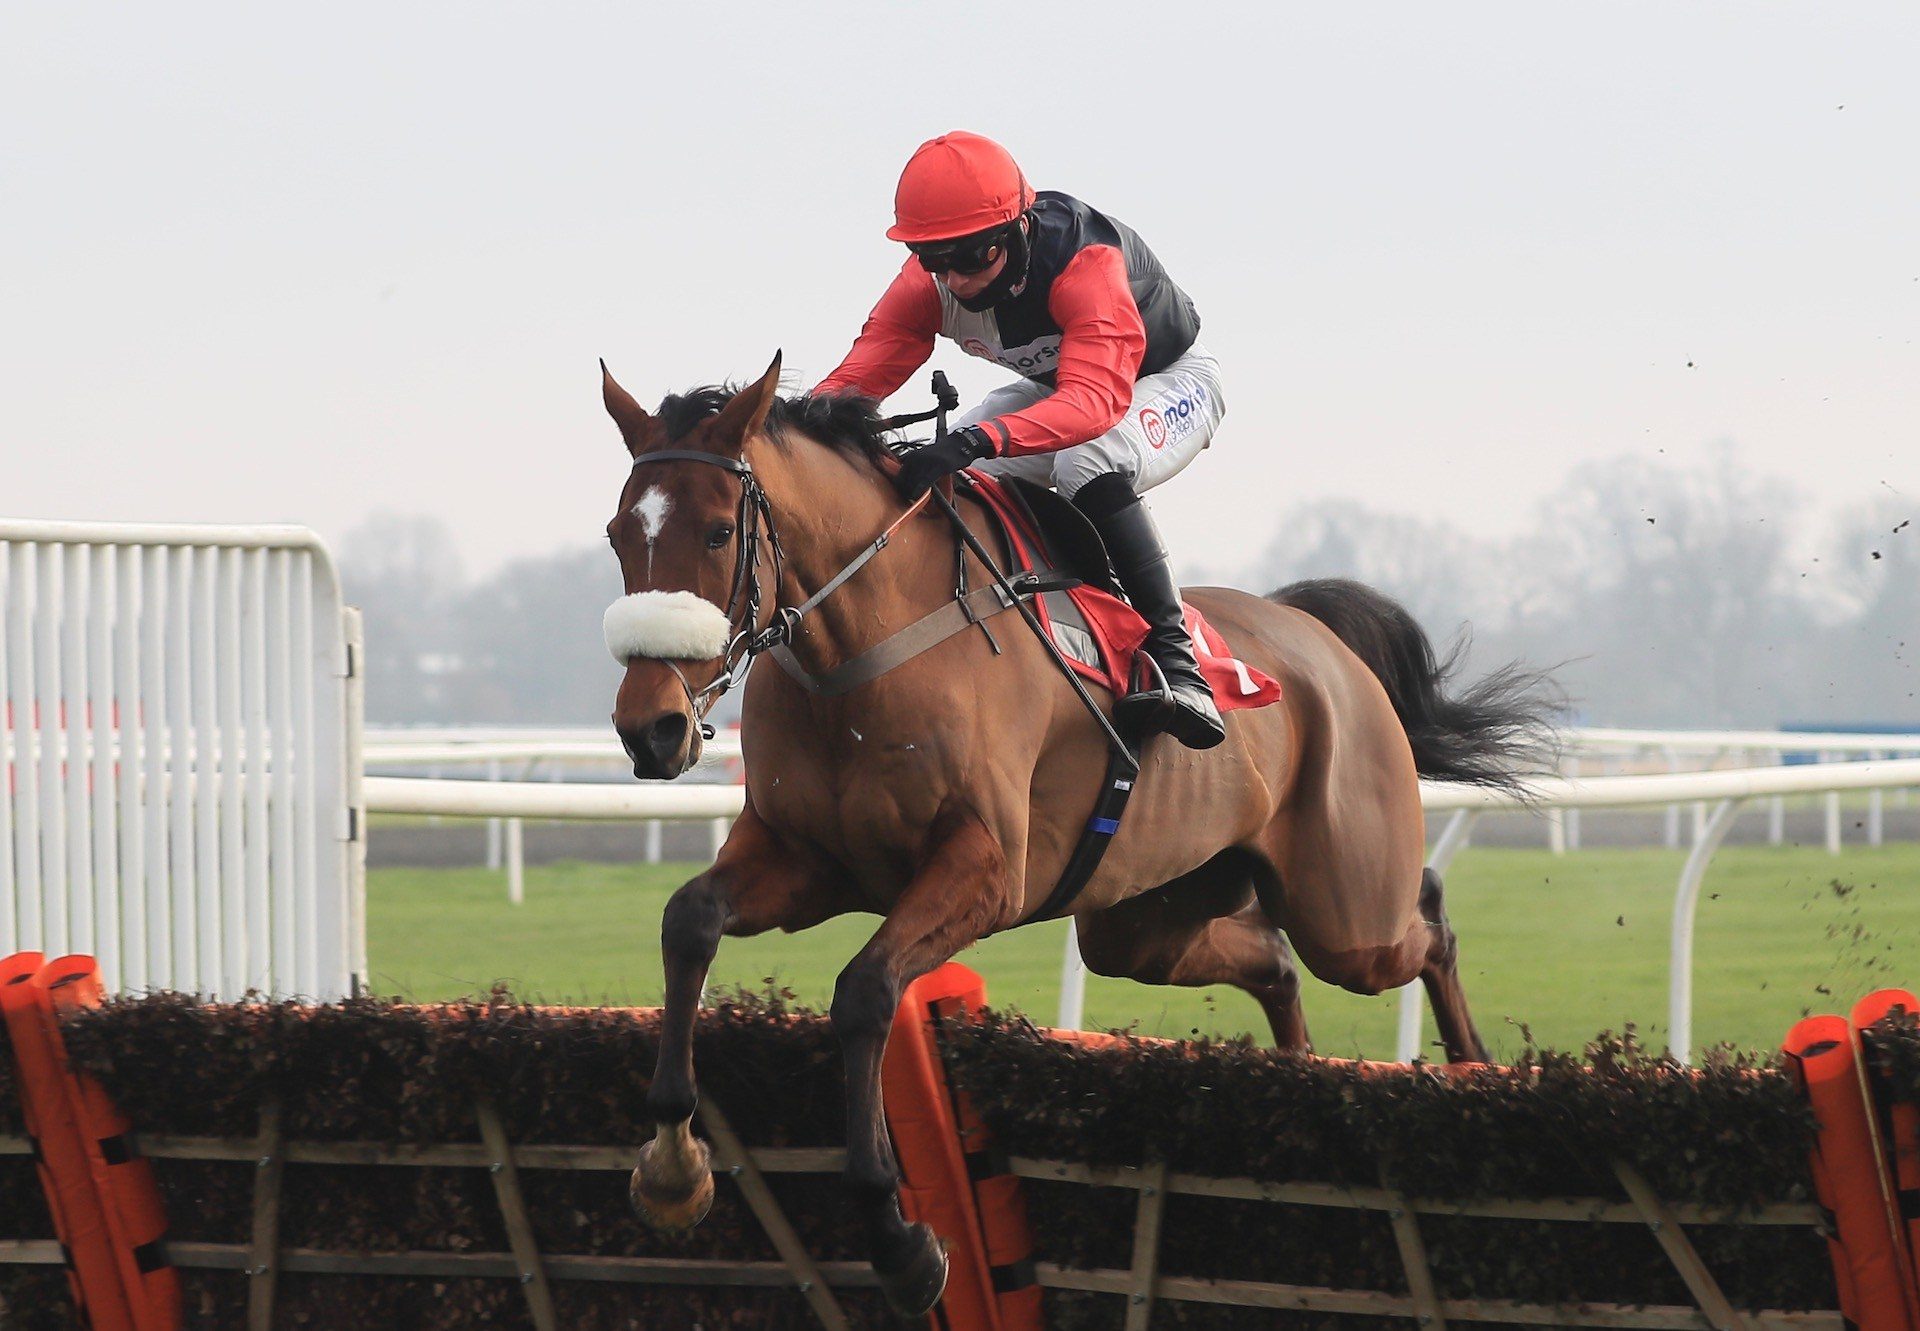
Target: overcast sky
x,y
276,264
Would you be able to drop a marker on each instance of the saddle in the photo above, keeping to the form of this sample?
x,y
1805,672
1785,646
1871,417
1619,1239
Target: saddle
x,y
1058,567
1097,631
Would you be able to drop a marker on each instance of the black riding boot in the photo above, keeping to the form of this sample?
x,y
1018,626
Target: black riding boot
x,y
1179,702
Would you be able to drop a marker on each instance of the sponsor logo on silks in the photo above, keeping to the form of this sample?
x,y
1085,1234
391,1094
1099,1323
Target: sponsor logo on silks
x,y
1173,416
974,346
1035,358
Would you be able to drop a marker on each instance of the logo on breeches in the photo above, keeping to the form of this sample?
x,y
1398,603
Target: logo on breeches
x,y
1173,416
1153,427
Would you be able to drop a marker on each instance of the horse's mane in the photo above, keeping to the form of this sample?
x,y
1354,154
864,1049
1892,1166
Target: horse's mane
x,y
845,423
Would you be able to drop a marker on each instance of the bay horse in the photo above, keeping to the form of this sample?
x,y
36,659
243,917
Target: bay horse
x,y
947,794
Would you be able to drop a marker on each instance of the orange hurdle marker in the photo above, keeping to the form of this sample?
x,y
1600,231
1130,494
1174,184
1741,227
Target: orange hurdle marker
x,y
1850,1176
129,1197
1005,1233
60,1150
1899,1127
926,1142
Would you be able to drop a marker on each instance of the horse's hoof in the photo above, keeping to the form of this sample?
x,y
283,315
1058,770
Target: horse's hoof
x,y
665,1198
915,1288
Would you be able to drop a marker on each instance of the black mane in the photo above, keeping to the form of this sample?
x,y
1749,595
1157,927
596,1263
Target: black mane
x,y
846,423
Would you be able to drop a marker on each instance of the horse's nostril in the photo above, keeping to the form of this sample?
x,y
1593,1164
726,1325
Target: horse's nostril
x,y
657,748
665,739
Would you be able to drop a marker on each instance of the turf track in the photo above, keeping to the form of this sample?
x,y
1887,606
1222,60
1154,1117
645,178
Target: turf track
x,y
1568,945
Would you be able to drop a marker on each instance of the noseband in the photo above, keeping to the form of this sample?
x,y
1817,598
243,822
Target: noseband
x,y
754,523
753,517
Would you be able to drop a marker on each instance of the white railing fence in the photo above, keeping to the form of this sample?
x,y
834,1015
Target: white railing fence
x,y
1728,792
1724,791
181,757
517,753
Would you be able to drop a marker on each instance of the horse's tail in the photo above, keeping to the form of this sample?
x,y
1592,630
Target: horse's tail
x,y
1491,733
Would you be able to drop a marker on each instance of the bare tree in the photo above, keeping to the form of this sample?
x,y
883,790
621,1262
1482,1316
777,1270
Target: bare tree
x,y
1866,666
1680,598
531,644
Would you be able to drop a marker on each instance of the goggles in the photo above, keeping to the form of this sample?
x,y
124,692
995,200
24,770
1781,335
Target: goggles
x,y
970,255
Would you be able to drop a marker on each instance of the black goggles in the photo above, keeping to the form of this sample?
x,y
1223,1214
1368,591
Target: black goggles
x,y
973,255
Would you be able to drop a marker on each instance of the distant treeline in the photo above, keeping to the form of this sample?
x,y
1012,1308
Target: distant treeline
x,y
1667,596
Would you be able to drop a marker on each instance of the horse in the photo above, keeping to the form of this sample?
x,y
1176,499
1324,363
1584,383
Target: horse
x,y
947,794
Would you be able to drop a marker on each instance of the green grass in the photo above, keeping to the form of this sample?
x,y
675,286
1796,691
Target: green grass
x,y
1567,945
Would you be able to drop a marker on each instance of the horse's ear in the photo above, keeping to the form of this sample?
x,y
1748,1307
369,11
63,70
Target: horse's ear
x,y
746,415
629,415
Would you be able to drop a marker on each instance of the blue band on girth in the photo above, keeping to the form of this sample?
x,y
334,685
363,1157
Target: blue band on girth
x,y
1105,826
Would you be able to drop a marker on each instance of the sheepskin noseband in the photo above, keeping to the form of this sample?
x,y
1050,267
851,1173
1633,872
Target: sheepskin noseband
x,y
666,626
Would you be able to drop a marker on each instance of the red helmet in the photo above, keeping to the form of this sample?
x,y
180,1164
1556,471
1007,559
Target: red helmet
x,y
956,185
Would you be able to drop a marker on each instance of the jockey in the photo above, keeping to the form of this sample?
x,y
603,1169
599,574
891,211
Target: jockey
x,y
1116,394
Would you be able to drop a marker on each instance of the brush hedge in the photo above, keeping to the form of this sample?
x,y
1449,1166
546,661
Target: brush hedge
x,y
1729,1135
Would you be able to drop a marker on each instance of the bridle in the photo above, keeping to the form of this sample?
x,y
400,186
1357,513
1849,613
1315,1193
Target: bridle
x,y
747,640
754,524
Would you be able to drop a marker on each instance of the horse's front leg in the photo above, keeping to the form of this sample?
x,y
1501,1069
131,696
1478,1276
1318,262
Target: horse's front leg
x,y
959,895
757,883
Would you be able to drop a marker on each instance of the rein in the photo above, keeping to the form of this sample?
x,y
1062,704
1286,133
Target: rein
x,y
748,642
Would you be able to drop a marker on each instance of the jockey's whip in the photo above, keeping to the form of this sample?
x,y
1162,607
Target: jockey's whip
x,y
949,398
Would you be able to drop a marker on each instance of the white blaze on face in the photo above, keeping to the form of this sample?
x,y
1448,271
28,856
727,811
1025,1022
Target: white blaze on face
x,y
652,511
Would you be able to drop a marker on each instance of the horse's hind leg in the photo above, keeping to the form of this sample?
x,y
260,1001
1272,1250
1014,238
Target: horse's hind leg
x,y
1441,974
1204,928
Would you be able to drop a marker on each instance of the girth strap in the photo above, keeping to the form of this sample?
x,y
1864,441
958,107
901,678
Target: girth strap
x,y
956,616
1116,788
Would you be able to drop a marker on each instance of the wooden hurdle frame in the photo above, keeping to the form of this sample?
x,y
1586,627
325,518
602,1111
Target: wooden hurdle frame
x,y
264,1258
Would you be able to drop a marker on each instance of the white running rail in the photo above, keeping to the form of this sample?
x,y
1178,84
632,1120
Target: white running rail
x,y
180,746
1727,792
455,745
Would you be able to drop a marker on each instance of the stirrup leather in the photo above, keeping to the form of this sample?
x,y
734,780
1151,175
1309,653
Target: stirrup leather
x,y
1148,691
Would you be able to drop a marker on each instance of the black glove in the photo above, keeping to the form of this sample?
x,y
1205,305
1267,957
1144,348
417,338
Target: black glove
x,y
921,469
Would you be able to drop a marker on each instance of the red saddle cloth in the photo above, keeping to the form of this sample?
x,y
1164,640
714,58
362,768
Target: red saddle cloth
x,y
1099,633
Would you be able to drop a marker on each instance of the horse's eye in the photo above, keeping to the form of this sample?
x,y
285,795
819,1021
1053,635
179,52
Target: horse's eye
x,y
719,536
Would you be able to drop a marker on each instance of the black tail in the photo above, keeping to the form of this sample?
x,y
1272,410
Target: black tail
x,y
1492,733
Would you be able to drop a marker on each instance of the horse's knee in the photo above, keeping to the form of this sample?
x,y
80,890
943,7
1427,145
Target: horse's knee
x,y
1286,979
1443,948
864,1000
694,919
